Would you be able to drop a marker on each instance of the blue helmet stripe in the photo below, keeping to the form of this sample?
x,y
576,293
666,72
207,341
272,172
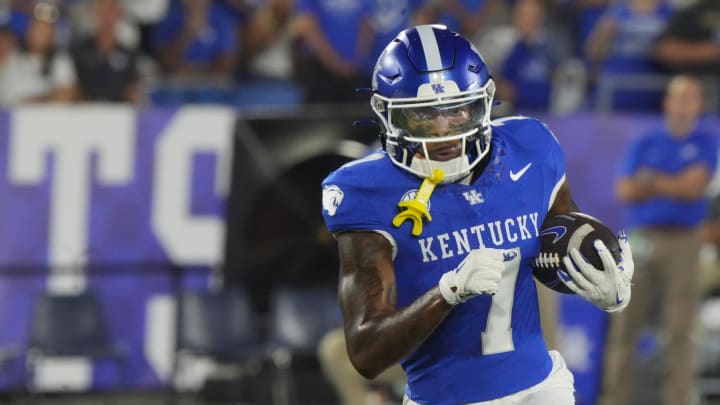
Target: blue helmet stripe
x,y
433,59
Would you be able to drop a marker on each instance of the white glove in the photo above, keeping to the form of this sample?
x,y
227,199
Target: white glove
x,y
478,273
610,289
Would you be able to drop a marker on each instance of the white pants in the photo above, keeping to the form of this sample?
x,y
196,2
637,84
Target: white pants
x,y
556,389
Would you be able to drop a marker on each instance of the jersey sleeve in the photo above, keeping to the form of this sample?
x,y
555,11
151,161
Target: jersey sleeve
x,y
347,203
553,166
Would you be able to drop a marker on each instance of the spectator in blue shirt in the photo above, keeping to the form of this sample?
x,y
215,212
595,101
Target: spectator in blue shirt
x,y
17,15
336,38
196,37
392,16
622,44
663,182
525,74
584,15
466,16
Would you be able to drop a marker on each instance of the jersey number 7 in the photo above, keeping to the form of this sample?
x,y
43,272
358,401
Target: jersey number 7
x,y
497,337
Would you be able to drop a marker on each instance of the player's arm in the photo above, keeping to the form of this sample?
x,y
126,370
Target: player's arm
x,y
378,334
563,202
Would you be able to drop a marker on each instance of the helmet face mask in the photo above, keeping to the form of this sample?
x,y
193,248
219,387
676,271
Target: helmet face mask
x,y
433,95
437,120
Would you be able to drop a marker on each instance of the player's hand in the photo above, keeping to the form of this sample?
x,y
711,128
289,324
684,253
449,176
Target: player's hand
x,y
479,273
610,289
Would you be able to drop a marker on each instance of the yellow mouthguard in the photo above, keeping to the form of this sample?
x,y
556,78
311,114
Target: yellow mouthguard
x,y
417,208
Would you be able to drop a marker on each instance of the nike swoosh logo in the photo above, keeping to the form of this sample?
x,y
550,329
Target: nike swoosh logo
x,y
516,176
559,231
618,300
564,276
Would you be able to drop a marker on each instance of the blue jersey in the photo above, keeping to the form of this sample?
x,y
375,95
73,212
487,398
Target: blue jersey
x,y
388,18
631,53
659,151
471,6
635,35
529,67
488,347
215,40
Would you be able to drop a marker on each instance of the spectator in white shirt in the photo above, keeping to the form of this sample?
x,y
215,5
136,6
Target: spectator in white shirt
x,y
40,72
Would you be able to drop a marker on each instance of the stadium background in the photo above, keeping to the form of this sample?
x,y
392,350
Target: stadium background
x,y
210,183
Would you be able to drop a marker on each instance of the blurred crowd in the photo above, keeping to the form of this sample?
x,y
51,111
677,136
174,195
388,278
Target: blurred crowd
x,y
546,55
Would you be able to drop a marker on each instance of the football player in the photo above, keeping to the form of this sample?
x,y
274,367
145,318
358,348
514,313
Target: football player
x,y
437,231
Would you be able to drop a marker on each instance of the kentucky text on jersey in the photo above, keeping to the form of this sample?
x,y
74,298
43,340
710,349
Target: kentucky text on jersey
x,y
491,234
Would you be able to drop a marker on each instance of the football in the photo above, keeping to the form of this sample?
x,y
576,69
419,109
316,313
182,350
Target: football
x,y
563,232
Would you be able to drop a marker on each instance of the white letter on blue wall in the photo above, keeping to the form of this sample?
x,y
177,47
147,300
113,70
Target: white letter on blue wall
x,y
188,238
72,136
